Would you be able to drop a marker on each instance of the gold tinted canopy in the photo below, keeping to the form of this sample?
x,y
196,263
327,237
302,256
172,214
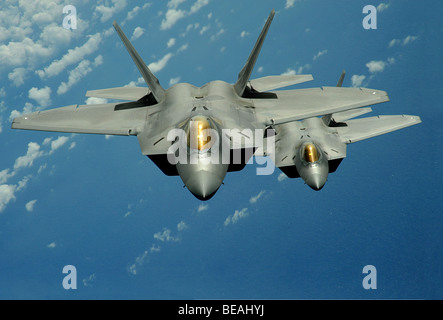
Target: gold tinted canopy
x,y
199,135
310,153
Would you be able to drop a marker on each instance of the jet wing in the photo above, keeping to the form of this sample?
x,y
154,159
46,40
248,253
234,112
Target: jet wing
x,y
98,119
293,105
361,129
120,93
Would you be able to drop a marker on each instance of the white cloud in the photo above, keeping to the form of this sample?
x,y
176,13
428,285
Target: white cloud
x,y
52,245
289,4
173,14
30,205
72,146
376,66
131,14
173,81
15,54
202,207
17,76
244,34
23,182
95,100
6,195
28,108
379,66
357,80
204,29
165,235
182,226
87,282
160,64
219,33
238,214
139,261
5,175
140,80
41,96
107,12
59,142
183,48
289,72
382,7
171,42
171,18
138,32
407,40
300,69
73,56
31,32
319,54
198,5
173,4
258,196
394,42
32,154
76,74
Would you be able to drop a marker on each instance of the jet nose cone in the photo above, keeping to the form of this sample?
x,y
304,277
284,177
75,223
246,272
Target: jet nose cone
x,y
204,185
316,181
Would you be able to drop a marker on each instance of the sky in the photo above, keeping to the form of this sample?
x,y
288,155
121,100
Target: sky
x,y
96,203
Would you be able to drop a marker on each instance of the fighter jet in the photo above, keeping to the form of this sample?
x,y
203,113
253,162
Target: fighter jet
x,y
201,133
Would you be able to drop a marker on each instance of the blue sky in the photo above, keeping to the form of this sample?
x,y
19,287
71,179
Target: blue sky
x,y
97,203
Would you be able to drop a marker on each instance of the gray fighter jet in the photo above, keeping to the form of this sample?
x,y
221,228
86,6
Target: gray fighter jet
x,y
202,133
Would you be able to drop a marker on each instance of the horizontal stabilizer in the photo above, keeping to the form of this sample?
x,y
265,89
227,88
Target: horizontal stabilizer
x,y
120,93
350,114
361,129
276,82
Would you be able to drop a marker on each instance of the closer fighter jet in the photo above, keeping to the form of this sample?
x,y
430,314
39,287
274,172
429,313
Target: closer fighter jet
x,y
201,133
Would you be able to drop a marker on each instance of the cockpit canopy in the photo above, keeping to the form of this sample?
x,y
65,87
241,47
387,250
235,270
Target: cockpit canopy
x,y
199,133
310,153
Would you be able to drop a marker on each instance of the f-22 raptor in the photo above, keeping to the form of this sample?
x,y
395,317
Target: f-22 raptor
x,y
201,133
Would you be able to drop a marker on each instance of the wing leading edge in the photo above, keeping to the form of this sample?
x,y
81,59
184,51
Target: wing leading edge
x,y
95,119
361,129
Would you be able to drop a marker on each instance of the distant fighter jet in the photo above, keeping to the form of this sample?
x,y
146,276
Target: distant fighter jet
x,y
202,133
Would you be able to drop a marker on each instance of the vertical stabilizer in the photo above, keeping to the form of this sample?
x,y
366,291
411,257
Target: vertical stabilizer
x,y
340,80
245,73
150,79
328,118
